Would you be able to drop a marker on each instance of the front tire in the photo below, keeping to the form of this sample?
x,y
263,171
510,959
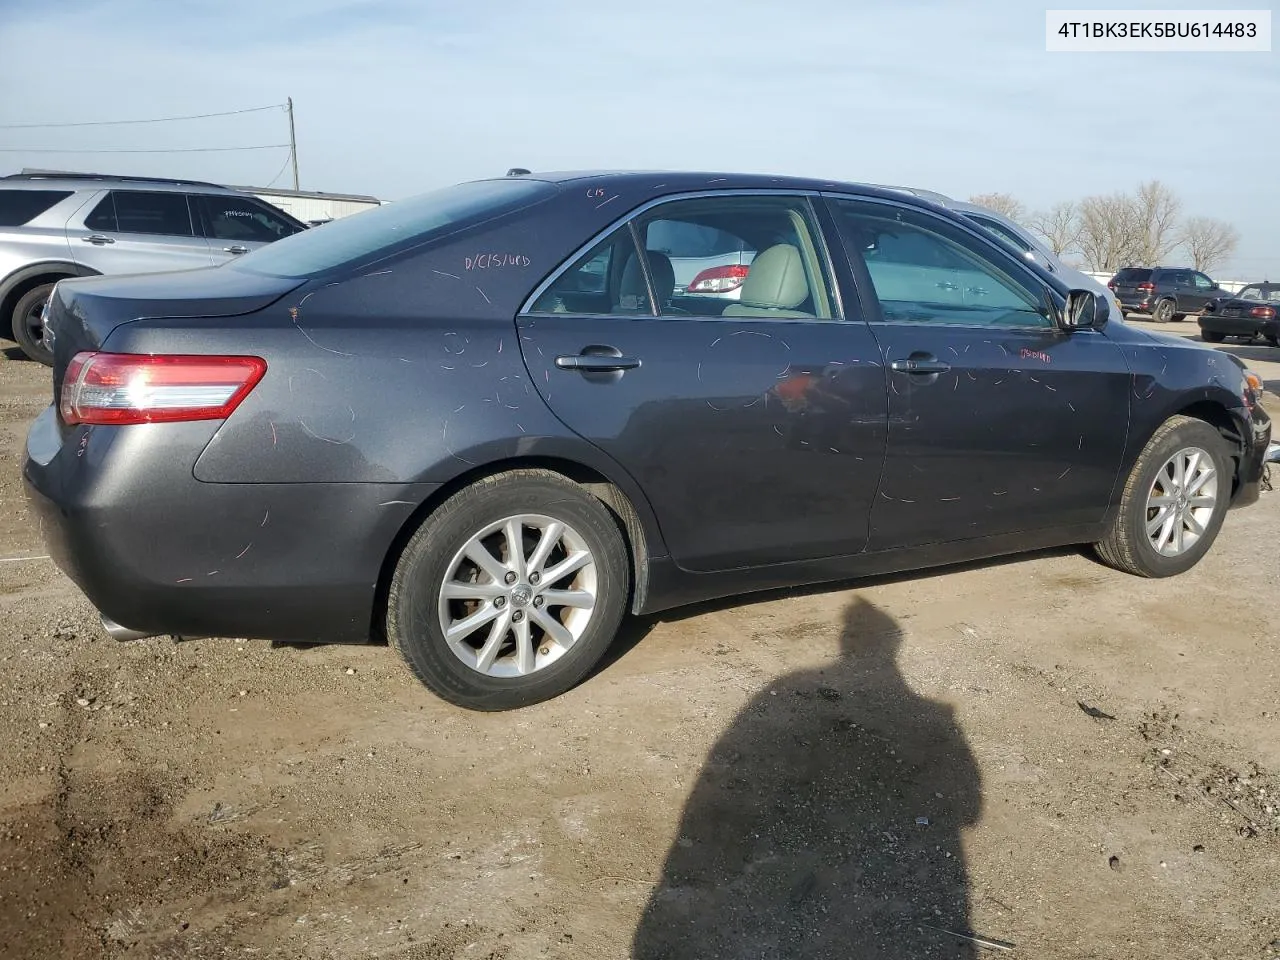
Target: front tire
x,y
1173,503
510,592
28,323
1212,336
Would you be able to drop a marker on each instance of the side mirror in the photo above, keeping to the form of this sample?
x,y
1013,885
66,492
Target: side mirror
x,y
1082,310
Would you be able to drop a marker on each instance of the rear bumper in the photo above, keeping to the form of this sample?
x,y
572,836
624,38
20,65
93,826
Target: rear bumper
x,y
1239,326
159,552
1137,304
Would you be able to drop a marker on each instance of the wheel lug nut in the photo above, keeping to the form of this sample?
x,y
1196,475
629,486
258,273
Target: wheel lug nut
x,y
499,602
534,577
544,650
517,616
510,577
537,601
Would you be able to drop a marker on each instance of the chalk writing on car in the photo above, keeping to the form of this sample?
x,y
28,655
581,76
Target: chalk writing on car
x,y
595,193
491,261
1040,355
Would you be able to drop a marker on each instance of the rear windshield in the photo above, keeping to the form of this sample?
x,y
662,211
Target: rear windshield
x,y
1134,274
22,206
1256,292
372,233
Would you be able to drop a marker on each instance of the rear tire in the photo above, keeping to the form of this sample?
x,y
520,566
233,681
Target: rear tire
x,y
1168,519
505,631
1273,339
28,328
1212,336
1162,312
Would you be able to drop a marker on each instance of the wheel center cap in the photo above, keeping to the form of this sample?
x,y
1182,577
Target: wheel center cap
x,y
521,595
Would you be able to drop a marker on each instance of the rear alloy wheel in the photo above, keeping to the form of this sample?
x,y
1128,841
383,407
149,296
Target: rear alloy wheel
x,y
1173,503
28,323
1212,336
1163,311
510,592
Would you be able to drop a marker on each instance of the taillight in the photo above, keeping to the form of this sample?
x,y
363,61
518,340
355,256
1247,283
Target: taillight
x,y
1263,313
1148,287
122,388
719,279
1111,285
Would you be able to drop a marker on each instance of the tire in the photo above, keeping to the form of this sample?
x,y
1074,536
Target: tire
x,y
1127,545
1162,312
27,329
1212,336
1273,339
417,614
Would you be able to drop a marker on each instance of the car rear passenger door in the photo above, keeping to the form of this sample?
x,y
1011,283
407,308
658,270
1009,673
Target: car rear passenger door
x,y
754,425
1000,422
236,224
138,231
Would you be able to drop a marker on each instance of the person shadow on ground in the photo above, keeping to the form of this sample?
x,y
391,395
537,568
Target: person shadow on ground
x,y
826,822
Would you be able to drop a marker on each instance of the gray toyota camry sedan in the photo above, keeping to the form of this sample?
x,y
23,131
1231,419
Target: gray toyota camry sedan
x,y
487,424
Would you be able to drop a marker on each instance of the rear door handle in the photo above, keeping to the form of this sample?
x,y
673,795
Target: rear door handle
x,y
236,249
596,362
98,239
920,365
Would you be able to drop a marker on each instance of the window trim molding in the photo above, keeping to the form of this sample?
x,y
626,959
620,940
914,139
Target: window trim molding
x,y
629,220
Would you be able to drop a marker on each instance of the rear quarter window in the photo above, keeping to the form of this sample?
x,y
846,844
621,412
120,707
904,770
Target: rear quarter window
x,y
22,206
372,234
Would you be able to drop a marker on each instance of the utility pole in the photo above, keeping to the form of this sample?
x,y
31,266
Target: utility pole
x,y
293,146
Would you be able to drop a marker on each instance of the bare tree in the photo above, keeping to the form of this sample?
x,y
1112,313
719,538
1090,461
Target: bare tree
x,y
1109,232
1060,226
1010,206
1155,213
1209,241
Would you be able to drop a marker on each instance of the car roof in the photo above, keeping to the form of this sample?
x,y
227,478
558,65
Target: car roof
x,y
44,180
668,181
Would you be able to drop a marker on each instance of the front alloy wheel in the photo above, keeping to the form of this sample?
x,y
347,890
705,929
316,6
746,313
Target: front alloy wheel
x,y
1182,501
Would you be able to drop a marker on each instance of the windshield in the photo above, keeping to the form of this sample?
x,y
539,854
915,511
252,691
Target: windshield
x,y
382,230
1271,294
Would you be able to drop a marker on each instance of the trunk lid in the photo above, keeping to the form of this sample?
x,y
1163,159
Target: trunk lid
x,y
83,312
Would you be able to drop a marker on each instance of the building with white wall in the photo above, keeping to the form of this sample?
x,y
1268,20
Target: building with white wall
x,y
313,205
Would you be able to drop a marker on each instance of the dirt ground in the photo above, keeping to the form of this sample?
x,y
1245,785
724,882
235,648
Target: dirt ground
x,y
1039,752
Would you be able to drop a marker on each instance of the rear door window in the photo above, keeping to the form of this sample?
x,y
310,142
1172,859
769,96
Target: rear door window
x,y
144,212
22,206
242,219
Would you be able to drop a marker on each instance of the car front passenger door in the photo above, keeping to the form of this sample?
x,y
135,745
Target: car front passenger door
x,y
138,231
1000,422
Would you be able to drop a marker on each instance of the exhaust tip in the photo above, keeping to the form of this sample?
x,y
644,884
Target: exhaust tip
x,y
118,632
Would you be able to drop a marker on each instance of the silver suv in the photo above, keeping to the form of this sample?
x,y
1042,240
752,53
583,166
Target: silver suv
x,y
55,226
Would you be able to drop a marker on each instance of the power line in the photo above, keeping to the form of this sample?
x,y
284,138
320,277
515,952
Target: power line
x,y
261,146
108,123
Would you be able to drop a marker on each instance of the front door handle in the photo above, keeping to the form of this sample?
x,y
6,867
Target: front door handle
x,y
597,362
98,239
920,365
237,249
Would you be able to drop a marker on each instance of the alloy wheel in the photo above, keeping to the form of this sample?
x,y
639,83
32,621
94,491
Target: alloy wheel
x,y
518,595
1181,501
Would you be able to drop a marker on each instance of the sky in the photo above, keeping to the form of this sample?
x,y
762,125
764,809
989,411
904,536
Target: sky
x,y
397,97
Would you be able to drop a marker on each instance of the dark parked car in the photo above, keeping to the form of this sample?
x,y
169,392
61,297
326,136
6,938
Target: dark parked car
x,y
1166,293
423,421
1249,314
